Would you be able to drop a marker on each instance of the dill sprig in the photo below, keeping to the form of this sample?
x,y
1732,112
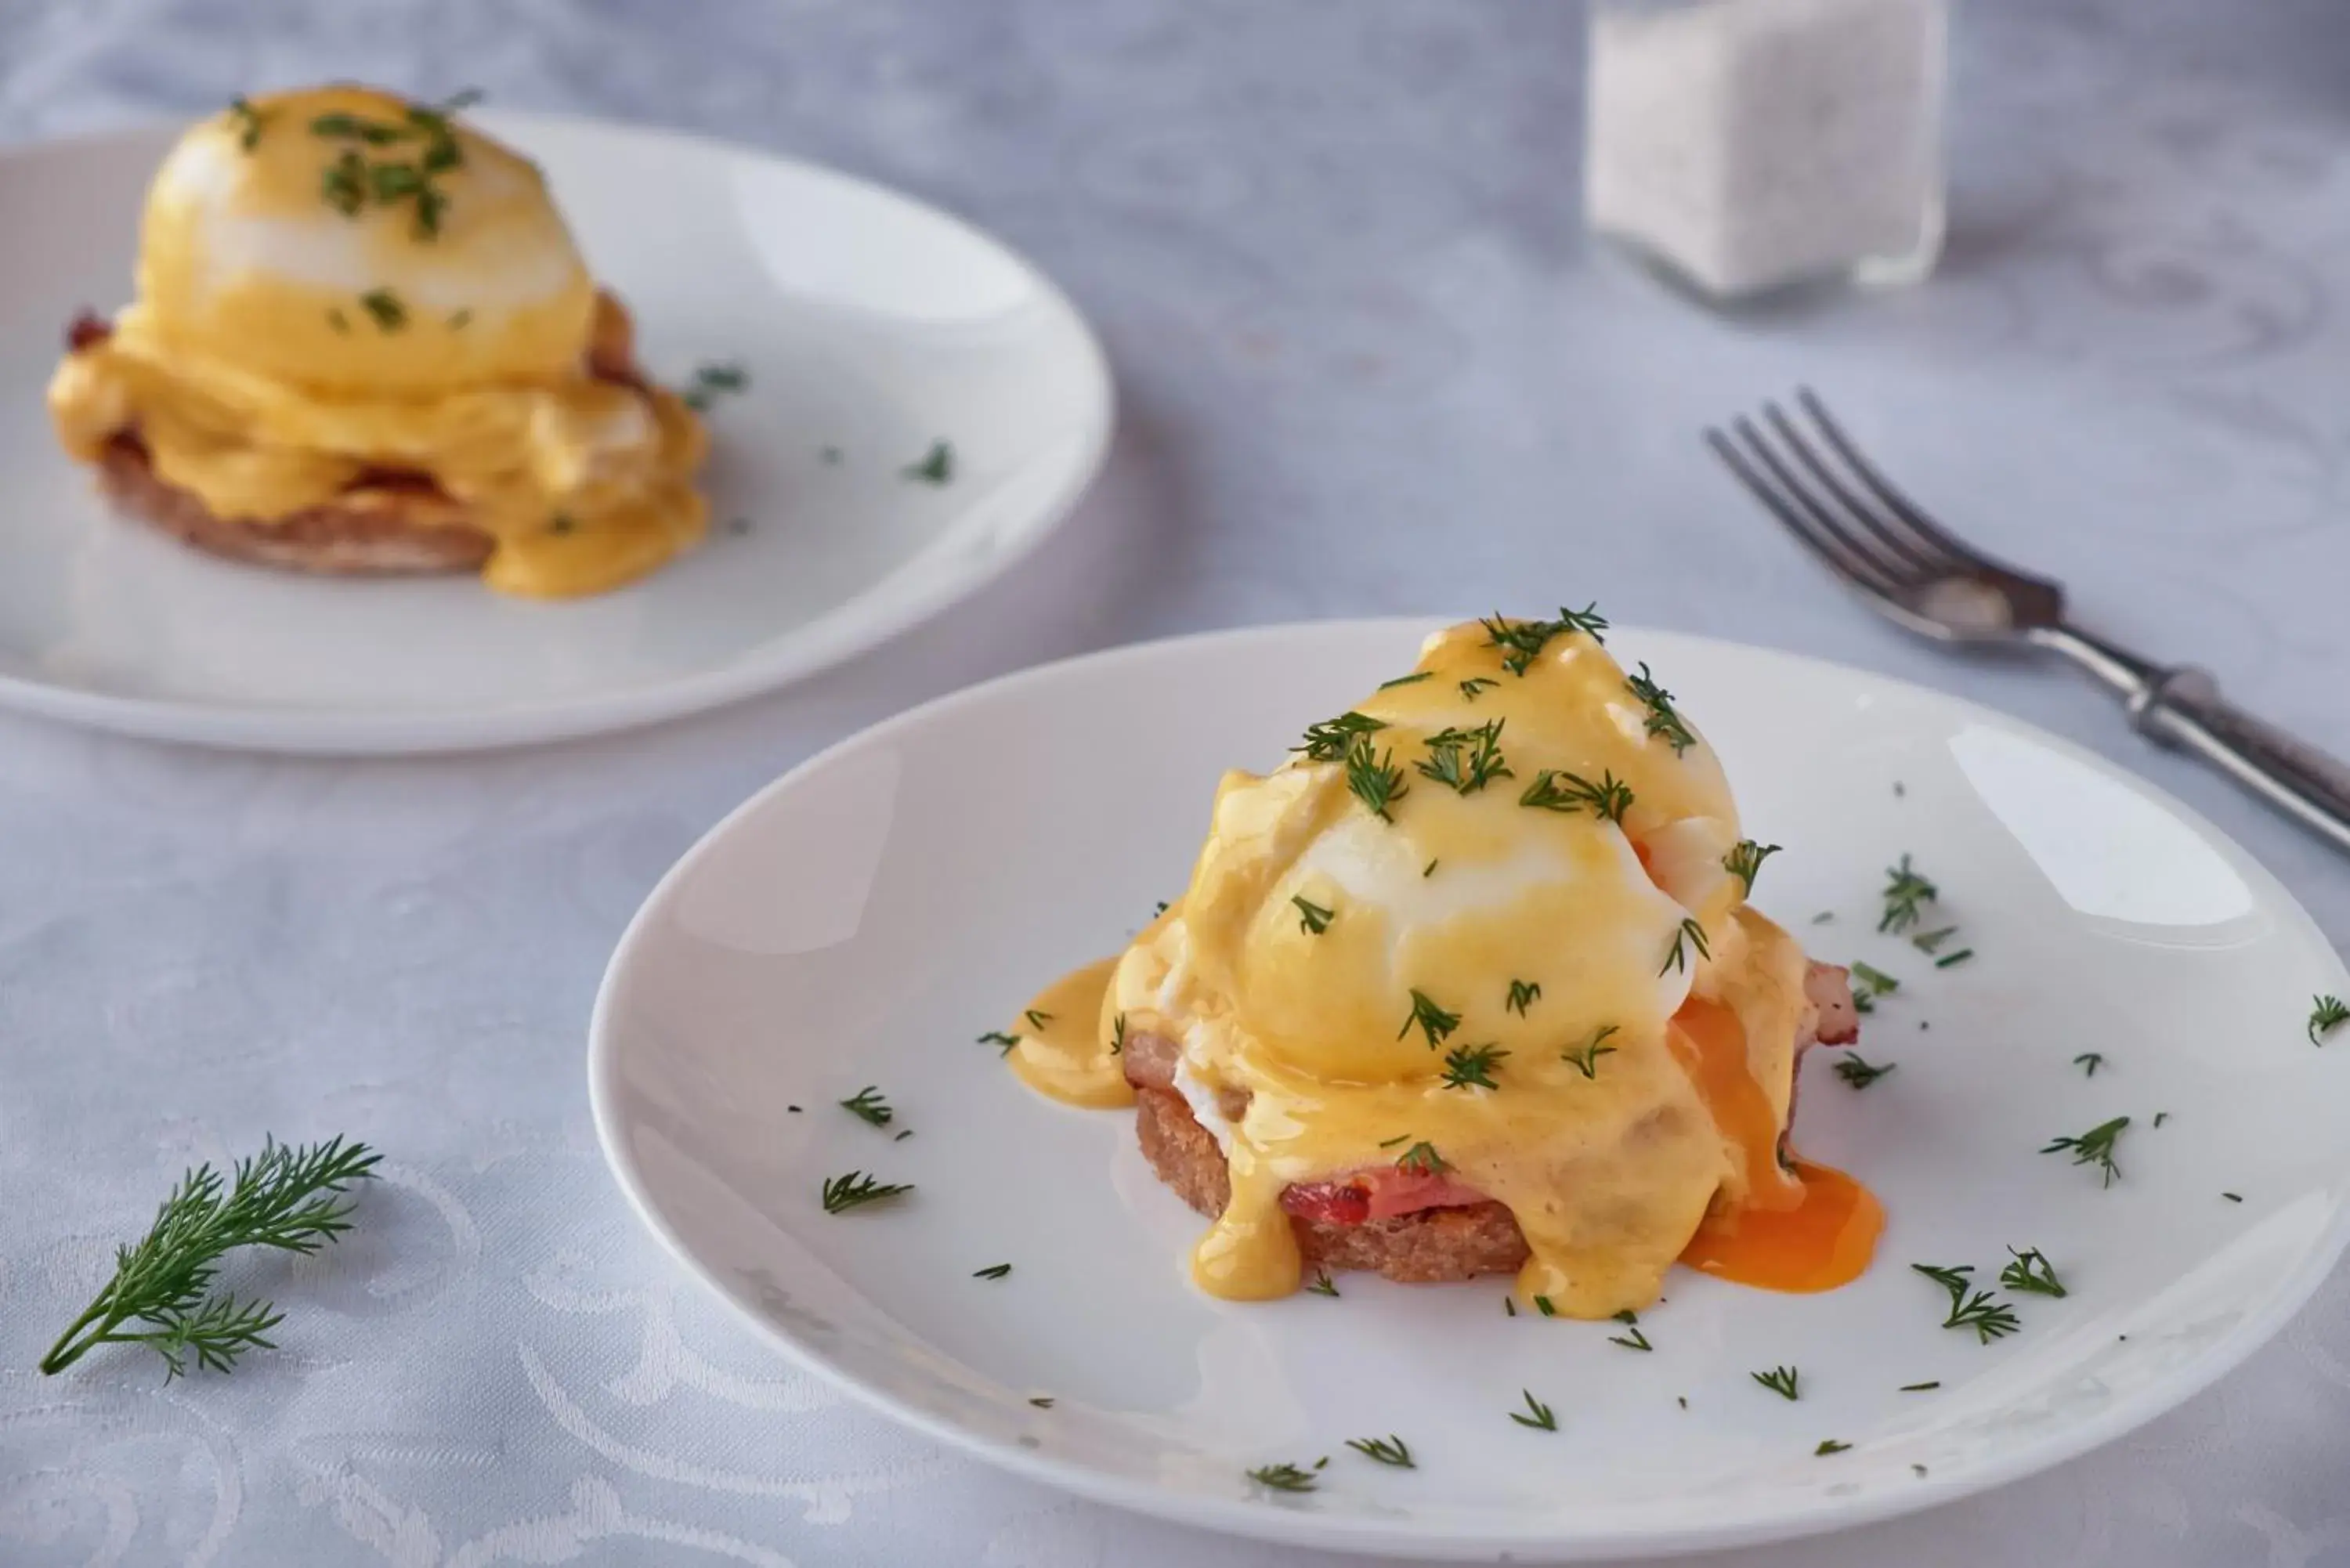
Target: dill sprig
x,y
2031,1273
1118,1035
1635,1339
1746,859
1780,1380
1473,685
1860,1074
1688,935
1414,679
1421,1159
1926,941
1872,983
937,465
1321,1285
1829,1445
1585,1058
866,1105
1465,761
1542,1306
161,1293
1387,1450
1522,641
1979,1310
1312,918
1565,792
1329,741
1471,1067
992,1271
1287,1477
1432,1020
249,121
1538,1413
1377,781
854,1190
2095,1147
1664,719
2326,1014
2089,1062
1002,1042
1523,993
1905,895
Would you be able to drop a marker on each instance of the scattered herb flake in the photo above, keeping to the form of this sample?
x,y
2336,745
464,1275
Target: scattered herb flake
x,y
2031,1273
1387,1450
2326,1014
992,1271
1312,918
1430,1019
854,1190
1471,1067
867,1105
1780,1380
2095,1147
1858,1073
1538,1417
1321,1285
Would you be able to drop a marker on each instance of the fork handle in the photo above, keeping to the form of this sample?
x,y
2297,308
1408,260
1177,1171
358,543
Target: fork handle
x,y
2183,708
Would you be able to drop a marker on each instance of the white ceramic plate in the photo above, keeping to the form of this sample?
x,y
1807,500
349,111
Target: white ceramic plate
x,y
861,920
868,324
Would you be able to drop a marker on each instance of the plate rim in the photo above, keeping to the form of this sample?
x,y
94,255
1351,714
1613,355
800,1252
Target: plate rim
x,y
820,644
1387,1537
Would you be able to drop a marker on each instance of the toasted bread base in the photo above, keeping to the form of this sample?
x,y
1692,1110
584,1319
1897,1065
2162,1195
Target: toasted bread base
x,y
1425,1248
396,528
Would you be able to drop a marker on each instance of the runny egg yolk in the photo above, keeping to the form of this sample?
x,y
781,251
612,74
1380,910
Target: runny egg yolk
x,y
334,284
1490,914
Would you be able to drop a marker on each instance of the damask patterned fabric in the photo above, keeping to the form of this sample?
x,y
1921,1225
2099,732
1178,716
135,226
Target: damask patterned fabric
x,y
1367,365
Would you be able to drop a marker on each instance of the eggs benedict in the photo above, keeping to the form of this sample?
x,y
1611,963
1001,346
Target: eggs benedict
x,y
1470,985
364,342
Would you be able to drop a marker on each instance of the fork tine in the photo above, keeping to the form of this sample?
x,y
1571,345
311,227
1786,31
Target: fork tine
x,y
1901,544
1860,571
1895,501
1886,575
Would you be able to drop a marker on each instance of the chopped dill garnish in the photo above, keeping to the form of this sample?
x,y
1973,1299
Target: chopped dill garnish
x,y
384,305
1414,679
1635,1339
1042,1401
1830,1446
1474,684
712,381
2233,1196
1540,1419
1860,1074
1466,760
936,466
1428,871
1690,934
1985,1313
2160,1117
992,1271
1037,1020
1432,1020
1471,1067
2089,1062
1780,1380
1421,1159
1118,1035
1542,1305
1921,1388
867,1105
2031,1273
1947,959
1509,1307
2326,1014
249,121
1906,893
1377,781
998,1038
1664,719
1926,941
1746,859
1327,742
854,1189
1312,918
1523,993
1285,1478
1321,1285
1387,1450
2095,1147
1522,641
1565,792
1584,1059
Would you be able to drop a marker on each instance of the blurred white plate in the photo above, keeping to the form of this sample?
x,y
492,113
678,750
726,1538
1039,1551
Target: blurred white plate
x,y
861,920
870,325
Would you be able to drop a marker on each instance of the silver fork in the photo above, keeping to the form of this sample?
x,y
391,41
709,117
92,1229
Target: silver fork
x,y
1911,569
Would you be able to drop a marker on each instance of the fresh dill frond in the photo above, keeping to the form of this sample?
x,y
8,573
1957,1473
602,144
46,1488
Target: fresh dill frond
x,y
1118,1035
1312,918
1780,1380
1284,1477
937,465
1431,1019
2326,1014
1664,721
1634,1339
1688,934
1746,859
1947,959
1037,1020
1926,941
1990,1317
2089,1062
854,1190
1003,1042
288,1197
1585,1058
1465,761
1873,982
1522,641
1329,741
2031,1273
1387,1450
1421,1159
1414,679
1537,1413
1376,779
1860,1074
1473,685
1321,1285
1471,1067
249,121
1556,790
1905,895
2095,1147
867,1105
992,1271
1523,993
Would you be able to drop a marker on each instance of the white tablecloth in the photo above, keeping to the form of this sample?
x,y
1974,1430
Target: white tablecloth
x,y
1367,366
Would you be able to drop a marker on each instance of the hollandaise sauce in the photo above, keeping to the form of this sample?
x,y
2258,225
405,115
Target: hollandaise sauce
x,y
1484,939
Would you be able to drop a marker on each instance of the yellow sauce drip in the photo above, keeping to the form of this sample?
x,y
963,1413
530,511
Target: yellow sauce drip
x,y
1072,1056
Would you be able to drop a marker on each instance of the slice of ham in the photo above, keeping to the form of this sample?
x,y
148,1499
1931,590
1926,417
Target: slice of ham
x,y
1381,1192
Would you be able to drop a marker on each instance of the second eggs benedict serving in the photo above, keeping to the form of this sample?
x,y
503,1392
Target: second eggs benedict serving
x,y
1470,985
364,341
